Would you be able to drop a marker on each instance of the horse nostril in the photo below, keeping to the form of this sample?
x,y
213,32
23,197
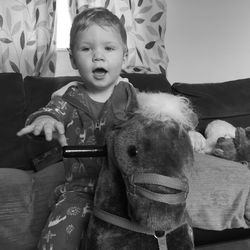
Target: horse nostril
x,y
132,151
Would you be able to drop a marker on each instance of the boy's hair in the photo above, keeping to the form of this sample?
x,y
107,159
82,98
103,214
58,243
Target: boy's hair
x,y
100,16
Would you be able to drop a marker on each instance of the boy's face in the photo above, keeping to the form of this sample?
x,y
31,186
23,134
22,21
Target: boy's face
x,y
98,54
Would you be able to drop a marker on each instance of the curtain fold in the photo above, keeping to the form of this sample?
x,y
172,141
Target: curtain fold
x,y
145,23
27,37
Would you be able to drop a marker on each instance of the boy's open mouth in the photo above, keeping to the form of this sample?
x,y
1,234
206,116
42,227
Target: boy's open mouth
x,y
99,72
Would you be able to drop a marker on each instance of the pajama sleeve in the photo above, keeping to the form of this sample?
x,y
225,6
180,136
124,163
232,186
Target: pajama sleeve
x,y
56,108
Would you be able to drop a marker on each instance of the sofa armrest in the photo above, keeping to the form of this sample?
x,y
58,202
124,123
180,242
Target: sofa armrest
x,y
24,204
16,209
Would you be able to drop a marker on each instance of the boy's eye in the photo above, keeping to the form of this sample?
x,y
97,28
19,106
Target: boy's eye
x,y
109,48
84,49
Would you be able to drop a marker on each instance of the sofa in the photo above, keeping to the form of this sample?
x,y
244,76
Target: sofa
x,y
31,168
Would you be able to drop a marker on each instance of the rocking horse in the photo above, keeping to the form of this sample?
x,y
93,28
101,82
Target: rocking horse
x,y
141,192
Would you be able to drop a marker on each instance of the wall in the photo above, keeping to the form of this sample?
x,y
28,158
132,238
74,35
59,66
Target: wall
x,y
208,40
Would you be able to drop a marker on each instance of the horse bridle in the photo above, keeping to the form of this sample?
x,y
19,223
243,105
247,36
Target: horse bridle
x,y
133,188
157,179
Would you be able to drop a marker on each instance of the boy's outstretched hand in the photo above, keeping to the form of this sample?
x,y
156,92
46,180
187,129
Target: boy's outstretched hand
x,y
51,128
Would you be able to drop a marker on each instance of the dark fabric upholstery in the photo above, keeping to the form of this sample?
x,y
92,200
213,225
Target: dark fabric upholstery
x,y
12,103
38,90
149,82
229,101
16,212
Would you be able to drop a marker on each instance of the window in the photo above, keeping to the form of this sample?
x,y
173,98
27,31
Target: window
x,y
63,65
63,24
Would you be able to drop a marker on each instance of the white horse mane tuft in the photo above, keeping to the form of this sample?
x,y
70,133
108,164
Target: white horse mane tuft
x,y
165,107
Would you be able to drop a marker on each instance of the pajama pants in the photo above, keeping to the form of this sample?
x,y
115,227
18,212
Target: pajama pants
x,y
67,224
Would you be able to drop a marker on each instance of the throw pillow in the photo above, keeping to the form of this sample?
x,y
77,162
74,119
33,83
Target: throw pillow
x,y
219,194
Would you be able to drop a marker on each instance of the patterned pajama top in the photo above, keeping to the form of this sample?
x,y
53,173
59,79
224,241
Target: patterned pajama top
x,y
86,123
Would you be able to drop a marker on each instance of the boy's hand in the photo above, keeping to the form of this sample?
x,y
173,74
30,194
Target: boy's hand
x,y
49,126
198,141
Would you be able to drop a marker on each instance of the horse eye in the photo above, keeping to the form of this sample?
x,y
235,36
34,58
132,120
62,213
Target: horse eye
x,y
132,151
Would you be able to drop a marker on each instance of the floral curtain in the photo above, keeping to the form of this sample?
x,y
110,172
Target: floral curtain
x,y
145,22
27,37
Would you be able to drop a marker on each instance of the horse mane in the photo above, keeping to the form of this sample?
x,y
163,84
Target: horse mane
x,y
165,107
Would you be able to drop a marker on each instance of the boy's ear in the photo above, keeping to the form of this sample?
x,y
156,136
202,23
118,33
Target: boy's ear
x,y
72,59
125,59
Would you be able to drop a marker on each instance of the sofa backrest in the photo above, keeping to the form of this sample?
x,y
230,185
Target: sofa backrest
x,y
12,103
228,101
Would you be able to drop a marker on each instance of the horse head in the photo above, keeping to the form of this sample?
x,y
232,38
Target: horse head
x,y
153,153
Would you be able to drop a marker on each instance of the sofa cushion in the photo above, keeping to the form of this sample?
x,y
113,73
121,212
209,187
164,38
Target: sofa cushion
x,y
45,182
229,101
24,204
219,194
12,103
16,209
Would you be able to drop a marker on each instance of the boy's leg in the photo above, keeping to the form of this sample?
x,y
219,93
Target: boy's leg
x,y
67,222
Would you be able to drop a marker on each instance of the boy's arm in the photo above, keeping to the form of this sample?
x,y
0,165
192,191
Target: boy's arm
x,y
47,125
49,120
56,108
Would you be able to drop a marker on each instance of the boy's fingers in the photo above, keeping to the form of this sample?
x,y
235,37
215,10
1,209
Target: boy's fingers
x,y
59,128
26,130
60,134
62,140
48,131
38,127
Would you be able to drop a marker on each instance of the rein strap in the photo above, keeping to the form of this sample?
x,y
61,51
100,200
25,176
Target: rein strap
x,y
131,226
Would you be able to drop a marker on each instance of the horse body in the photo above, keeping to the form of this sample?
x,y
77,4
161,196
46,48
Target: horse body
x,y
143,146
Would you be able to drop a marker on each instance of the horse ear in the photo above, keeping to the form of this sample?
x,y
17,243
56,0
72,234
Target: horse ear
x,y
124,101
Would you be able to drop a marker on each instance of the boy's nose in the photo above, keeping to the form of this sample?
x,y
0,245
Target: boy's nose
x,y
98,56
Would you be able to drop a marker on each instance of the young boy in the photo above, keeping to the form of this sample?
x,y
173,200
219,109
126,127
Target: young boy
x,y
81,116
